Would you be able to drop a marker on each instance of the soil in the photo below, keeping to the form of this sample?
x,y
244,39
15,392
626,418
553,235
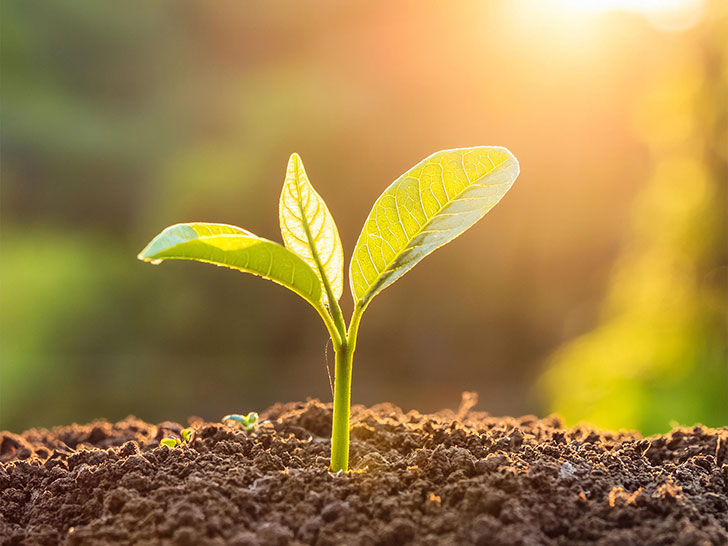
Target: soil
x,y
448,478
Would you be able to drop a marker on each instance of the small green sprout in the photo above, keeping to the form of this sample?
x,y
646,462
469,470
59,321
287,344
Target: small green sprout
x,y
173,441
170,442
428,206
186,435
248,422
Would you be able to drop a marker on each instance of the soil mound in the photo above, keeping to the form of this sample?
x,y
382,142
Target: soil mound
x,y
440,479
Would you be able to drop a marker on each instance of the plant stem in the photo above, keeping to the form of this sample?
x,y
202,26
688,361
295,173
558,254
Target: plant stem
x,y
342,396
330,326
342,407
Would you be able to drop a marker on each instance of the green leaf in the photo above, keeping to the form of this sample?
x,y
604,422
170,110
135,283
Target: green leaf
x,y
308,228
233,247
186,434
169,442
248,422
425,208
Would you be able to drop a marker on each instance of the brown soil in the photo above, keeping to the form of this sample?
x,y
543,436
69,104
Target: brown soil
x,y
437,479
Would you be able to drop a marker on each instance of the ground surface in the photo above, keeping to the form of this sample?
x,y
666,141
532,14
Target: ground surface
x,y
439,479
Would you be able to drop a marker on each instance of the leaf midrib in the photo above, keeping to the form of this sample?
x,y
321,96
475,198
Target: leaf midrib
x,y
307,228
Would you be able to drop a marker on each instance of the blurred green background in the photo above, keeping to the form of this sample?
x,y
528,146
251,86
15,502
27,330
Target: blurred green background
x,y
596,289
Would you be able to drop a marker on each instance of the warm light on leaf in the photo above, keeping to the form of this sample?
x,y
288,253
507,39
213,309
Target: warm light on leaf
x,y
233,247
425,208
308,229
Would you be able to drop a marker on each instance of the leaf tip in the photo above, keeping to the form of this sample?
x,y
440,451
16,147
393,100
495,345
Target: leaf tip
x,y
146,256
294,160
511,157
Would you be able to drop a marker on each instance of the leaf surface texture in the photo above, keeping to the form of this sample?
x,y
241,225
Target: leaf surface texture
x,y
234,247
425,208
308,229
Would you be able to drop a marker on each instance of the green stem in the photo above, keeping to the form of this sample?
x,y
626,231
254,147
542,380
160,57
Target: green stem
x,y
342,396
336,311
330,326
334,308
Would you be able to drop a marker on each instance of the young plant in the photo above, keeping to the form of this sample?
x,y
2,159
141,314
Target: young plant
x,y
425,208
248,422
170,442
173,441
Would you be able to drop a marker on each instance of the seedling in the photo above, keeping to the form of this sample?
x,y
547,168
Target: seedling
x,y
425,208
248,422
173,441
186,435
170,442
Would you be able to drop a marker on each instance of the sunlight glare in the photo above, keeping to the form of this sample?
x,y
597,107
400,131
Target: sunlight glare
x,y
667,15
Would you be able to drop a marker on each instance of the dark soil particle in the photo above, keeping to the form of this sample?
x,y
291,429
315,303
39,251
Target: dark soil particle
x,y
446,478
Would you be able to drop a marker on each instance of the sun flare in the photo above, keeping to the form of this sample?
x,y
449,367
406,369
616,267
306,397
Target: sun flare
x,y
668,15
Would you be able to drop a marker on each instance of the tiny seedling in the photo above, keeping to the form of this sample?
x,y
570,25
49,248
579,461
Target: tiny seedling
x,y
425,208
173,441
248,422
186,435
170,442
